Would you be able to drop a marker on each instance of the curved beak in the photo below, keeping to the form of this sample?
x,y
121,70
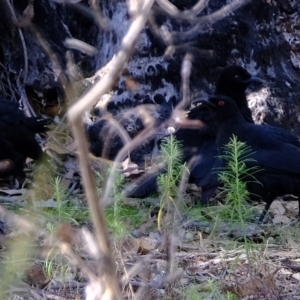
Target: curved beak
x,y
254,79
204,102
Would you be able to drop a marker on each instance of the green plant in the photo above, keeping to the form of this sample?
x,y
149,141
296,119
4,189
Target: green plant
x,y
231,296
172,156
191,292
59,194
214,289
99,180
217,293
56,264
126,217
116,222
64,211
119,216
235,177
208,290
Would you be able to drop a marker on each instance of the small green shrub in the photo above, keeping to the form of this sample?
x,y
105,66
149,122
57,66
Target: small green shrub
x,y
234,178
120,218
172,156
56,264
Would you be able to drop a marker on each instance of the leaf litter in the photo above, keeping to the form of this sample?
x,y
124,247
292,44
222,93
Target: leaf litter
x,y
211,257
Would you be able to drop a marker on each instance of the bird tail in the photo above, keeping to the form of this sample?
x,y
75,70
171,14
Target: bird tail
x,y
145,185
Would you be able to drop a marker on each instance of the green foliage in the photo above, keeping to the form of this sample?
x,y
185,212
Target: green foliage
x,y
100,180
191,292
231,296
172,156
209,290
56,264
119,217
235,177
115,213
64,211
216,291
59,195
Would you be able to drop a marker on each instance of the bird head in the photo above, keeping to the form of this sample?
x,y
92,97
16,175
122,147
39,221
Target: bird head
x,y
224,107
202,112
234,80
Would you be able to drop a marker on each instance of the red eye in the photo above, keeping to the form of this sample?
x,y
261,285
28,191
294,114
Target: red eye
x,y
221,103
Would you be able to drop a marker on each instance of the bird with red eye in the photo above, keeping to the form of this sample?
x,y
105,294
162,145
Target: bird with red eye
x,y
232,82
275,153
222,105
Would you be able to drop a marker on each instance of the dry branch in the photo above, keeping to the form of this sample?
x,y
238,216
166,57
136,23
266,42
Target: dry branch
x,y
109,281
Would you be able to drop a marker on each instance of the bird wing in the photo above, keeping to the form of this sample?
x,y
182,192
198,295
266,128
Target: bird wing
x,y
205,160
272,147
285,158
280,135
260,137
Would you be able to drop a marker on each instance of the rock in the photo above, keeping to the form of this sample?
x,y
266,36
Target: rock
x,y
261,36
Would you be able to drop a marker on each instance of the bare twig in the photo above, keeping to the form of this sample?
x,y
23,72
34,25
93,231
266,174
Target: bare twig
x,y
184,178
29,111
102,22
223,12
117,129
29,227
94,14
11,88
80,46
191,16
143,111
172,10
109,282
186,69
56,66
145,134
209,19
199,6
184,103
15,21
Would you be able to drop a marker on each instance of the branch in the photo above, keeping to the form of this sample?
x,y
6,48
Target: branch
x,y
108,280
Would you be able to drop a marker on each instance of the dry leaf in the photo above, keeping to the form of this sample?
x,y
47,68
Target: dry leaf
x,y
130,168
61,149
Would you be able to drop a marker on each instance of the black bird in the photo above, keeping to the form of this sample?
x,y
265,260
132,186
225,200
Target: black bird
x,y
193,141
18,130
232,81
10,110
11,162
276,152
17,141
